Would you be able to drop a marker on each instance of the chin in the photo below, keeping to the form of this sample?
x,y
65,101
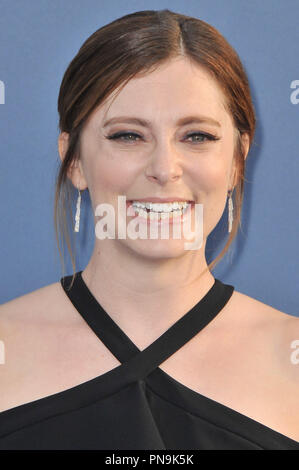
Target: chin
x,y
157,249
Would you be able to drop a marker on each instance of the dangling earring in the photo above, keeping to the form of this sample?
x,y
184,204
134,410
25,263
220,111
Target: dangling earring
x,y
77,216
230,211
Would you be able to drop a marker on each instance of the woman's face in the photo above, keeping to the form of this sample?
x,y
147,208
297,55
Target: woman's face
x,y
162,160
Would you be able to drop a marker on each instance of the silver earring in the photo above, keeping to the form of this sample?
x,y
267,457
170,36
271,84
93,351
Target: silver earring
x,y
230,211
77,216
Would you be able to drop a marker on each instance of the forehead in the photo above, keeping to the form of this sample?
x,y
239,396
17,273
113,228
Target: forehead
x,y
175,89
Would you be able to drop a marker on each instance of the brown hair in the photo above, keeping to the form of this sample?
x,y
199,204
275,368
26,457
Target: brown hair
x,y
137,44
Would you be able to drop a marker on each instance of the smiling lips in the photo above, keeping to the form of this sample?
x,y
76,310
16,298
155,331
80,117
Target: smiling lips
x,y
159,210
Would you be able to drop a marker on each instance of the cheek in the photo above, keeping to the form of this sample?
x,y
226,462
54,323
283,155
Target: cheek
x,y
111,174
213,168
105,171
211,177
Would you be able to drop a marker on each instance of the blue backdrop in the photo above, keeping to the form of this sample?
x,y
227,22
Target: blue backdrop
x,y
38,39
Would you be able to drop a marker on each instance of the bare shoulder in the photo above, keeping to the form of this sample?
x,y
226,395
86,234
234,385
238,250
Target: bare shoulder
x,y
48,347
273,330
46,304
31,323
260,309
264,356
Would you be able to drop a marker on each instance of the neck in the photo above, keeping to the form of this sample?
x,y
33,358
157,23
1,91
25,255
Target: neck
x,y
146,295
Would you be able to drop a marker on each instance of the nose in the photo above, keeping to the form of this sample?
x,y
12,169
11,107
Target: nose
x,y
164,164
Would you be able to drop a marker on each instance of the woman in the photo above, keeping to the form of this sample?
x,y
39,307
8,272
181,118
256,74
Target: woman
x,y
144,348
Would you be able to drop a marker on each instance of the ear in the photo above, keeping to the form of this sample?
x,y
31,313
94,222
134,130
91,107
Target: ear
x,y
75,171
234,173
245,143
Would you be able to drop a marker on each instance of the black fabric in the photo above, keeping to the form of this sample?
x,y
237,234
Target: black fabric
x,y
136,405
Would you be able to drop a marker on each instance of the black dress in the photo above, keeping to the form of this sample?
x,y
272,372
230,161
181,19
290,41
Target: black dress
x,y
136,405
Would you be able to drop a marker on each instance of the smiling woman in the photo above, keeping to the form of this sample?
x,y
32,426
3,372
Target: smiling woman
x,y
155,107
220,88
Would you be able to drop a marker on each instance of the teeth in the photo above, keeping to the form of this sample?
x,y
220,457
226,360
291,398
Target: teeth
x,y
142,213
157,207
157,215
153,215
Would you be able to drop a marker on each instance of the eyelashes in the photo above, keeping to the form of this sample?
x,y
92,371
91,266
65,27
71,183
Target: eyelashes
x,y
119,135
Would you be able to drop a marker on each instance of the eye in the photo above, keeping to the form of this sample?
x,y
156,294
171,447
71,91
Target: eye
x,y
202,137
118,135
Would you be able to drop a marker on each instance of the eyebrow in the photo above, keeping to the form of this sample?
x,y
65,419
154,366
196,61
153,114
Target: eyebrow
x,y
181,122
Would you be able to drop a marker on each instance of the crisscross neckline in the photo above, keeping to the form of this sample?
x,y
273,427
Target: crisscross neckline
x,y
159,383
141,363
